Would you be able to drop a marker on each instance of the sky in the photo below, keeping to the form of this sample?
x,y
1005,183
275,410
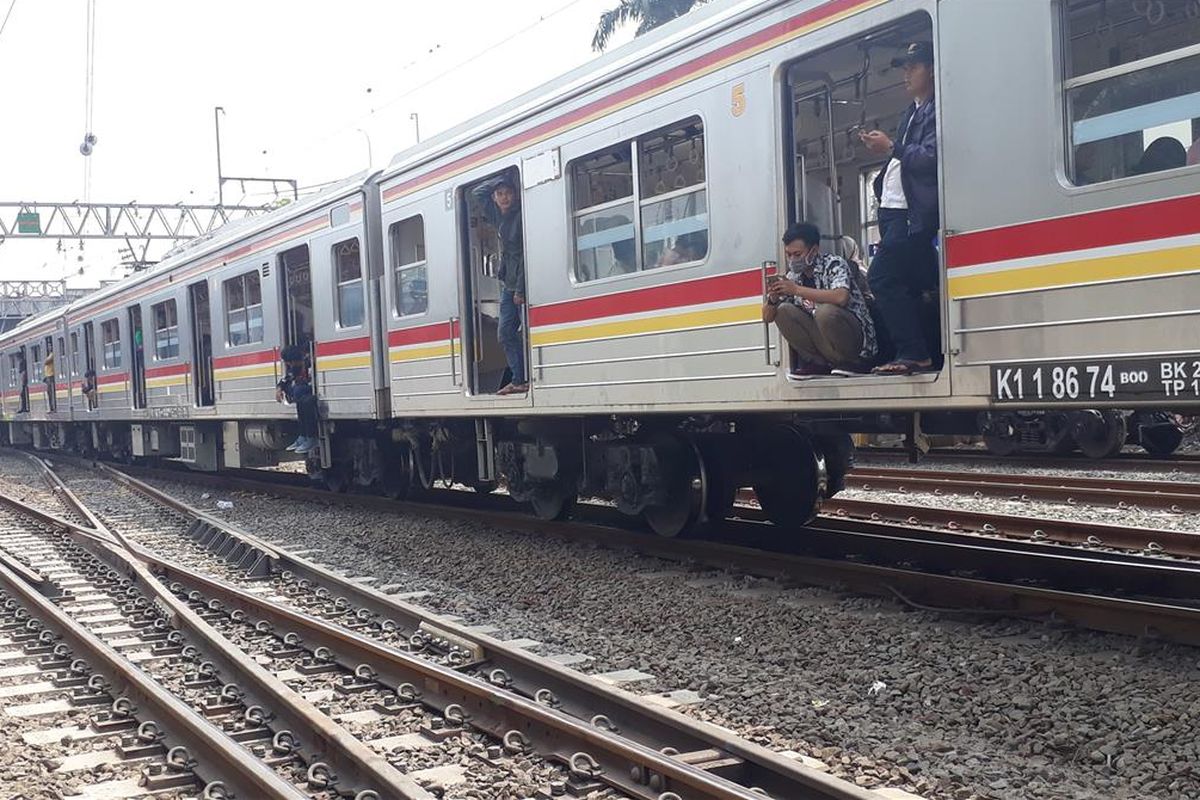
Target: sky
x,y
311,91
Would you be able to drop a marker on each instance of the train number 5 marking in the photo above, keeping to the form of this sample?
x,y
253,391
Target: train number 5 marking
x,y
738,105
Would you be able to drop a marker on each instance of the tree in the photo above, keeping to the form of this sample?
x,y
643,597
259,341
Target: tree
x,y
648,14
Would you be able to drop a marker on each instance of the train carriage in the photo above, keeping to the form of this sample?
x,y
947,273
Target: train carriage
x,y
654,184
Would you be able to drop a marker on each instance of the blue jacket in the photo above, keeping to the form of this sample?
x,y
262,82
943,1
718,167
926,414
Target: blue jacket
x,y
918,167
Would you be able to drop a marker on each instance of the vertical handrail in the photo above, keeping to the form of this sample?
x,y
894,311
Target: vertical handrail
x,y
769,267
453,353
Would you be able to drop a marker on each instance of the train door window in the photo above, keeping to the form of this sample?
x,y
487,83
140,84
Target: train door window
x,y
74,353
347,266
674,196
166,331
243,309
1132,84
605,214
409,276
488,369
110,342
298,321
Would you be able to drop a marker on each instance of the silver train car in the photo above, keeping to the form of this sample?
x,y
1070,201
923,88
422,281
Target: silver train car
x,y
655,183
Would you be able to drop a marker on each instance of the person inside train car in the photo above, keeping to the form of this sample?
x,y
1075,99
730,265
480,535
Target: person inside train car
x,y
1165,152
820,309
48,376
296,388
501,206
23,384
88,388
688,247
905,266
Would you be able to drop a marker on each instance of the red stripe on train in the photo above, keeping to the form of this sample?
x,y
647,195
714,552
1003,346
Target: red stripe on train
x,y
1142,223
117,378
245,359
654,298
167,371
344,347
810,17
422,334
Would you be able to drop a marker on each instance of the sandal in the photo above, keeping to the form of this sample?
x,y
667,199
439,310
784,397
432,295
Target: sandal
x,y
902,366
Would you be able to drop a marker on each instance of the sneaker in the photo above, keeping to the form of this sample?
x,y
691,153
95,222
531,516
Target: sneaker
x,y
296,444
307,446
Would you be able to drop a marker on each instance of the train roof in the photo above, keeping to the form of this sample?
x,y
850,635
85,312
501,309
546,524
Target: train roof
x,y
663,42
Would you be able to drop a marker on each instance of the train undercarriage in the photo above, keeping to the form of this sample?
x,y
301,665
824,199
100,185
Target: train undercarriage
x,y
680,475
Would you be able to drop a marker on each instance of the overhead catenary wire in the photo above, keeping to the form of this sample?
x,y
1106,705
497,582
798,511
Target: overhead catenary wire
x,y
448,71
7,14
89,93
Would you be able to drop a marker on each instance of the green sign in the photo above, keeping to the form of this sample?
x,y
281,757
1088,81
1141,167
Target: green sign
x,y
29,222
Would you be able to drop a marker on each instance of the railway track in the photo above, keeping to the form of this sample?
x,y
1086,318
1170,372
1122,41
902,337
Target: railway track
x,y
394,679
1130,462
947,570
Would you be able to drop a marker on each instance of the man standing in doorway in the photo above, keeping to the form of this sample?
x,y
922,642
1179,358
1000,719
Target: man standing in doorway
x,y
906,264
502,208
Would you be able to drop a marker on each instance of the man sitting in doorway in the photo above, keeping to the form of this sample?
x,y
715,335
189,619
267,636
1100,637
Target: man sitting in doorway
x,y
906,264
819,308
502,209
296,387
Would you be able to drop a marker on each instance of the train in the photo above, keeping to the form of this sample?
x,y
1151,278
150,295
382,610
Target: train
x,y
1068,294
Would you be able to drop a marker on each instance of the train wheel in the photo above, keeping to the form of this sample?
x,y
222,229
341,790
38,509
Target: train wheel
x,y
553,501
789,477
1100,434
397,477
686,489
1002,445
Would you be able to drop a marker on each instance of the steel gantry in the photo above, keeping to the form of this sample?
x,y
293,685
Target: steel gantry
x,y
131,221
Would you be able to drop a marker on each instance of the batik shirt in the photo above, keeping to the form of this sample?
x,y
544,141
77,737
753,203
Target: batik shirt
x,y
832,272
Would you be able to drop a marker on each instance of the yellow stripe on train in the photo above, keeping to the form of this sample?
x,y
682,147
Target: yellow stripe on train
x,y
1074,273
659,324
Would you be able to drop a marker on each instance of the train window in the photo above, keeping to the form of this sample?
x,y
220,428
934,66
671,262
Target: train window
x,y
74,353
110,339
652,190
166,331
348,273
674,200
604,214
409,276
1132,88
243,309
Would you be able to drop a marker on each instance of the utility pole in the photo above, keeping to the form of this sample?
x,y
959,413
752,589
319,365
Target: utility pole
x,y
416,118
217,112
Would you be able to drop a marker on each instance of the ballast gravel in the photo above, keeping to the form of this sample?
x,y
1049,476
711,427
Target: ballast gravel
x,y
884,695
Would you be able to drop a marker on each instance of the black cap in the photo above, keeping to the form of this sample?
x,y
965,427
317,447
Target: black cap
x,y
915,53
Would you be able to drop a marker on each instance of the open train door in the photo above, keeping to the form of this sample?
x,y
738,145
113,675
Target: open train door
x,y
137,370
485,364
202,348
298,326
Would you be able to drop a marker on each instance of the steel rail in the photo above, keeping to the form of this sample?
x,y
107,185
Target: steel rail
x,y
1151,541
218,755
991,597
1178,498
630,761
1185,462
356,765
